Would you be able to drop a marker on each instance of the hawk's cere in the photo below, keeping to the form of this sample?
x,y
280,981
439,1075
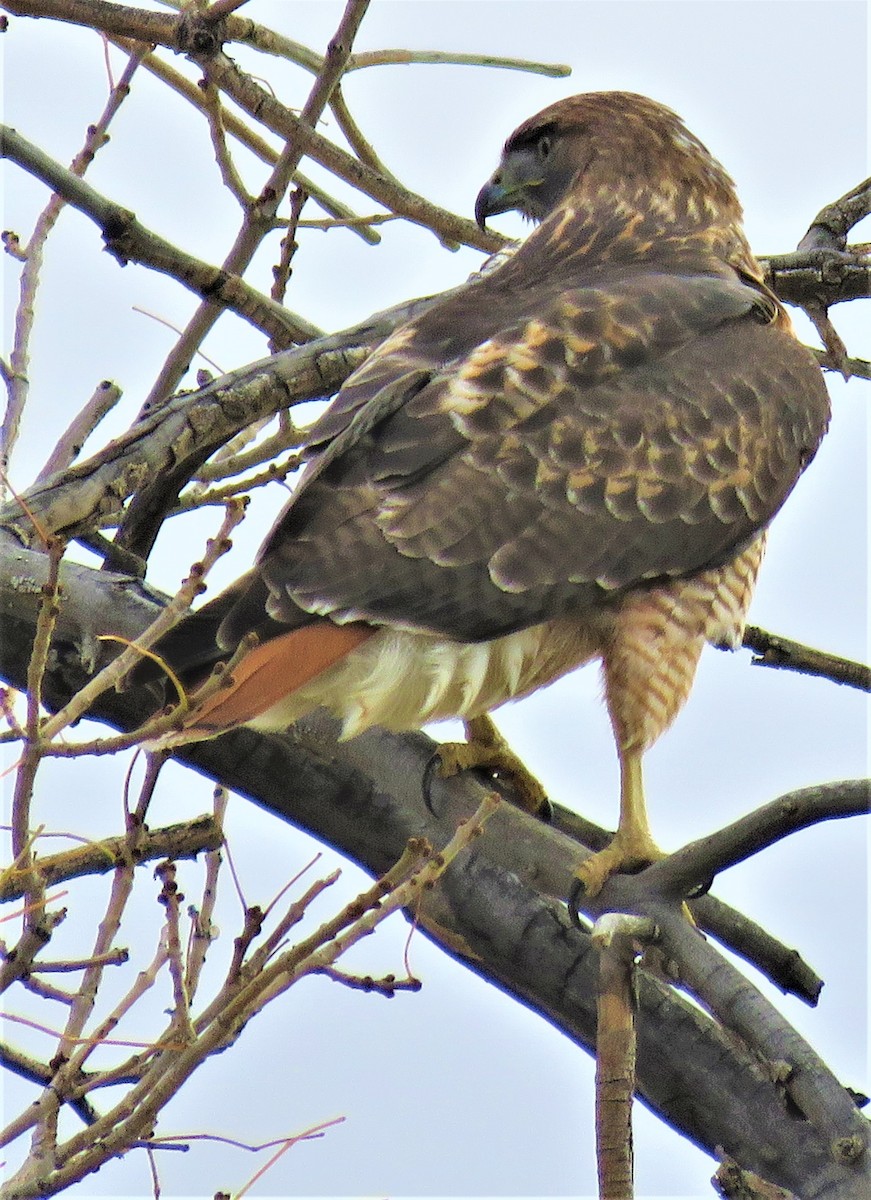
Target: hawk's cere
x,y
574,456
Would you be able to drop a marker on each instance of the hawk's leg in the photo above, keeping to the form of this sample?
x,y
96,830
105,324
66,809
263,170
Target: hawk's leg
x,y
632,846
486,749
649,663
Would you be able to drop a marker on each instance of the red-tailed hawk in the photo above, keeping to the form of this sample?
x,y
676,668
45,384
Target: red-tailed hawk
x,y
575,456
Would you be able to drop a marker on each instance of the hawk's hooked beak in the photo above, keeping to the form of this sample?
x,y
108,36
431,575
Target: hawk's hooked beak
x,y
493,198
514,185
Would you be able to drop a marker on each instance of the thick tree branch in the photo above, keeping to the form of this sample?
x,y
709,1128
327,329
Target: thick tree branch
x,y
830,227
175,440
698,862
167,446
792,1064
96,602
823,270
821,277
365,797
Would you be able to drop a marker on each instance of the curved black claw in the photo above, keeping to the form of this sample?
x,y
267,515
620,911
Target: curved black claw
x,y
701,889
508,789
545,813
576,892
430,773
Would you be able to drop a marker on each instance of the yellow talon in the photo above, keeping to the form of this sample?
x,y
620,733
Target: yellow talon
x,y
487,750
618,856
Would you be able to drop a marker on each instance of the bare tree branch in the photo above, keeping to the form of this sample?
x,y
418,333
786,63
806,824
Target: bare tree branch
x,y
69,445
18,384
824,270
830,227
130,241
259,218
772,650
700,861
722,1068
185,840
493,912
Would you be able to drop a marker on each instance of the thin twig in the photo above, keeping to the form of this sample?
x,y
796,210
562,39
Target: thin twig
x,y
114,958
315,1131
451,229
37,932
130,241
387,986
292,916
254,142
168,1069
107,932
289,247
170,897
358,143
226,467
69,445
260,216
772,650
383,58
274,472
46,991
211,102
186,840
71,1074
39,924
37,1072
33,258
129,658
203,931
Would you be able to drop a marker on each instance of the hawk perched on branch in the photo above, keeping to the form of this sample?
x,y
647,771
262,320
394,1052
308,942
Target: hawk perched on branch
x,y
575,456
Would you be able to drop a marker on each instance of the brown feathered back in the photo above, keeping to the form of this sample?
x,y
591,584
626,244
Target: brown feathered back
x,y
621,402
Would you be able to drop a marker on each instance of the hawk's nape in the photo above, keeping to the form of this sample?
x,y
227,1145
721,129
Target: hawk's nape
x,y
574,456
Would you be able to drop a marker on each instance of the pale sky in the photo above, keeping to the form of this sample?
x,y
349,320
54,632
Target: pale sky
x,y
457,1090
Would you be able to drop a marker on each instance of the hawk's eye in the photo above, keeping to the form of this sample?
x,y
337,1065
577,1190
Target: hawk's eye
x,y
544,146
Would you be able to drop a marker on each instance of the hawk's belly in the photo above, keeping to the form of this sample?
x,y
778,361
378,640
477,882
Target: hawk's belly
x,y
401,679
650,642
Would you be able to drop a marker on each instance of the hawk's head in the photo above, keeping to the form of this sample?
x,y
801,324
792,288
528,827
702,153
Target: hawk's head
x,y
612,141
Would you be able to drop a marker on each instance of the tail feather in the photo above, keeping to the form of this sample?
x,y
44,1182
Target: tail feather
x,y
210,634
275,669
285,659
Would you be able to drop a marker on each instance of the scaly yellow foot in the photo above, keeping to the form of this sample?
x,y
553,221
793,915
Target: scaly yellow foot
x,y
487,750
625,853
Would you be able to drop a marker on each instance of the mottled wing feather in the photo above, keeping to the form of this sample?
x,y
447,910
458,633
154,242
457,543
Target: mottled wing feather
x,y
644,427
